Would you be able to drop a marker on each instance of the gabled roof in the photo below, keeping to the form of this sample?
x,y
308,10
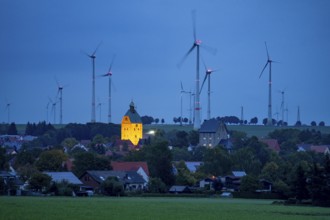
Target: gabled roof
x,y
130,166
320,148
64,176
211,126
272,144
238,173
125,177
193,166
179,189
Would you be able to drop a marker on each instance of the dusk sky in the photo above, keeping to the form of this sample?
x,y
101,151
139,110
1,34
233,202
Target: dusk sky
x,y
41,41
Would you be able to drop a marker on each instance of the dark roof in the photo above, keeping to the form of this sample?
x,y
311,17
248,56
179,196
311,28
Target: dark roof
x,y
125,177
179,189
211,126
133,115
64,176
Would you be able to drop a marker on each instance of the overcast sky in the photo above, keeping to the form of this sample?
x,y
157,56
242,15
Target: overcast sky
x,y
41,41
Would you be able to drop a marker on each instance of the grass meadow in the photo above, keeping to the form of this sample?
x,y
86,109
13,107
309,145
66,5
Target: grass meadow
x,y
152,208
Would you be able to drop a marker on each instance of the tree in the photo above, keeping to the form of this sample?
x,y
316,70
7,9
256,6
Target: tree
x,y
157,120
249,183
184,177
3,159
159,159
39,182
322,124
112,187
300,184
216,162
147,119
313,123
254,120
270,172
51,160
193,137
162,121
156,185
12,129
88,161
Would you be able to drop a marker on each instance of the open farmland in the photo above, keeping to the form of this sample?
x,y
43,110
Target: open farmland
x,y
152,208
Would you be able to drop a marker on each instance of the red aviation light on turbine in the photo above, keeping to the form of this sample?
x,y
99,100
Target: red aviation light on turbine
x,y
198,42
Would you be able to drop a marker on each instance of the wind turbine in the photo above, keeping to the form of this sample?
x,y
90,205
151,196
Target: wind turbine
x,y
184,92
99,106
60,95
269,63
208,72
282,105
8,111
109,74
92,56
53,108
47,107
196,44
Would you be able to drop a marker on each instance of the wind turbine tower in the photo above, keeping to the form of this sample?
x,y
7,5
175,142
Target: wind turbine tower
x,y
282,105
8,112
109,74
184,92
60,93
269,63
92,56
196,44
208,72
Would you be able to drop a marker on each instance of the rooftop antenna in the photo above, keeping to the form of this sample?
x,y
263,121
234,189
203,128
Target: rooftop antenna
x,y
208,72
92,56
109,74
269,63
196,44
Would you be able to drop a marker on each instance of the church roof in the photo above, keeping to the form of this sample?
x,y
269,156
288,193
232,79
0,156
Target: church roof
x,y
133,115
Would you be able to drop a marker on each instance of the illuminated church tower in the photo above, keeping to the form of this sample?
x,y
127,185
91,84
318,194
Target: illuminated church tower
x,y
131,126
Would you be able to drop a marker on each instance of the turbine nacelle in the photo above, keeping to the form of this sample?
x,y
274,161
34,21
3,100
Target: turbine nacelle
x,y
197,42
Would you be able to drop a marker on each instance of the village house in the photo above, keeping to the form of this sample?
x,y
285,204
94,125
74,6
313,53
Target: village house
x,y
131,180
212,132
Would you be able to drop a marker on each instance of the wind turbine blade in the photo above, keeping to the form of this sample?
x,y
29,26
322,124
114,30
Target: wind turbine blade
x,y
193,15
186,55
113,59
209,49
263,69
203,83
204,64
181,86
85,53
96,48
267,50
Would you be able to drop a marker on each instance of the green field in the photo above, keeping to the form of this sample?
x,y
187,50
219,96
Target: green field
x,y
152,208
251,130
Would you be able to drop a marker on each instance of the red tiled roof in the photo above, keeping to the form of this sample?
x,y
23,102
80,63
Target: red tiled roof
x,y
319,148
129,166
272,144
